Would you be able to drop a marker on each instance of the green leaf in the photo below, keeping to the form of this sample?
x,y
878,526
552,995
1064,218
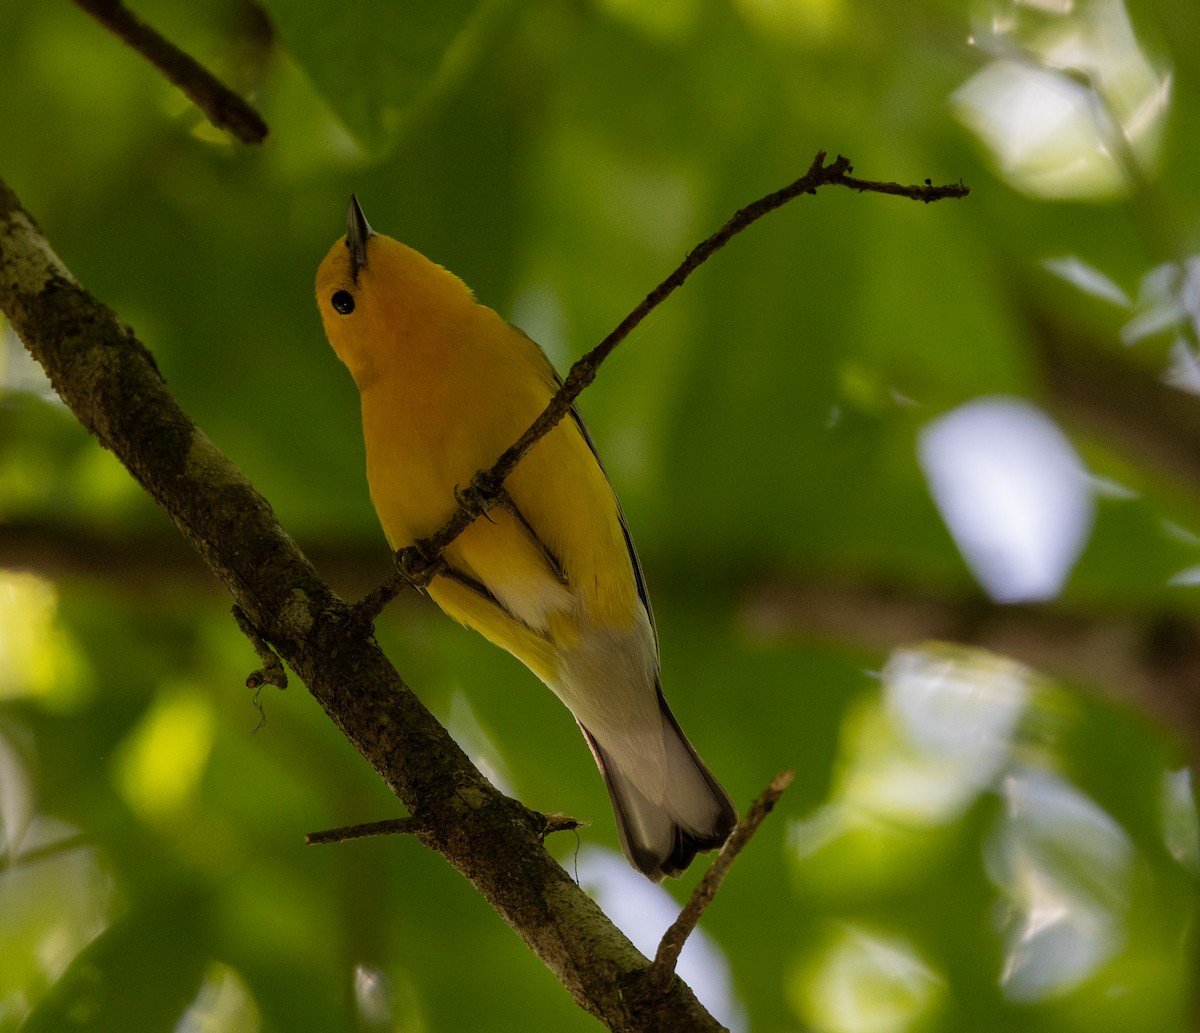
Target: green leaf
x,y
375,62
124,980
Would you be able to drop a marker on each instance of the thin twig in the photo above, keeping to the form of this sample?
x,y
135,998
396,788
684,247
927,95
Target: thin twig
x,y
100,369
927,193
418,562
224,108
663,968
387,827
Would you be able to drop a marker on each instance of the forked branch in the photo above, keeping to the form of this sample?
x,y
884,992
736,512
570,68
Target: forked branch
x,y
417,563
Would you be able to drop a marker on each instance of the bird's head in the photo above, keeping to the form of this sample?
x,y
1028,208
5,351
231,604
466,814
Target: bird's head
x,y
375,294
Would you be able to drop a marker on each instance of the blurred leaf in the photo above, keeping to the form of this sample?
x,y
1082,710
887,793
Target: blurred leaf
x,y
376,62
141,973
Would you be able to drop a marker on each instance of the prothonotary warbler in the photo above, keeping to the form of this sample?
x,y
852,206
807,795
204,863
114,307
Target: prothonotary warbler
x,y
550,573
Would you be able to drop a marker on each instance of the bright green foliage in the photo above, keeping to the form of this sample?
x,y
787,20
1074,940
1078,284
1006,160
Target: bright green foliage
x,y
970,844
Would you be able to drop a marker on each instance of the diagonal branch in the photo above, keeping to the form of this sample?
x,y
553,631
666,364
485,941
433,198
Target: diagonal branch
x,y
108,379
223,108
419,562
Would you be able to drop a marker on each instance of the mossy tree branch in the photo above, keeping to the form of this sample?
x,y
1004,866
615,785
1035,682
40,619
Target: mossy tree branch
x,y
109,380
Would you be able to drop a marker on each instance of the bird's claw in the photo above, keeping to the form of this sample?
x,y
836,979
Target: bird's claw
x,y
418,564
481,495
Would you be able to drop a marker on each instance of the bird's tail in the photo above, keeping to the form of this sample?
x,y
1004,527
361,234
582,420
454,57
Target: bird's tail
x,y
661,836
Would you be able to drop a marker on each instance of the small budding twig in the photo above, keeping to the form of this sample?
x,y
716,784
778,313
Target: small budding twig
x,y
412,826
223,108
558,822
662,971
387,827
272,671
418,563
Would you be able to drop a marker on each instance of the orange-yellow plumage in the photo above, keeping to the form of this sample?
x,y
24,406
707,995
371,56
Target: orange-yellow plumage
x,y
549,574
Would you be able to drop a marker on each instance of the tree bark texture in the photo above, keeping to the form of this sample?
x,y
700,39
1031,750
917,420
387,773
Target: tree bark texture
x,y
110,382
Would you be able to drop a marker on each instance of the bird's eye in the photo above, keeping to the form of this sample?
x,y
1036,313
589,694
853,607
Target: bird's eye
x,y
343,303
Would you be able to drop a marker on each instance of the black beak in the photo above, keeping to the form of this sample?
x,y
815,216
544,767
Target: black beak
x,y
358,232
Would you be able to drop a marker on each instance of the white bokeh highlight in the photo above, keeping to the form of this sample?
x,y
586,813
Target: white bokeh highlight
x,y
1013,493
1074,109
867,981
1063,867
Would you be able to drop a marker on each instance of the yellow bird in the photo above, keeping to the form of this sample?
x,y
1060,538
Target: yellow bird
x,y
550,574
